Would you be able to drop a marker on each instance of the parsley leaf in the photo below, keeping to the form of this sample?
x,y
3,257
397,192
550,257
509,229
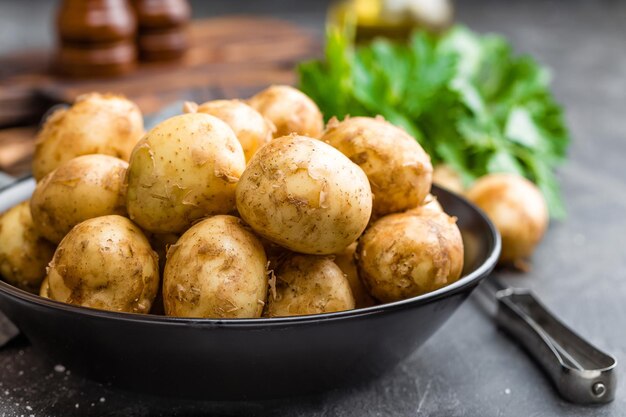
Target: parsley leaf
x,y
467,98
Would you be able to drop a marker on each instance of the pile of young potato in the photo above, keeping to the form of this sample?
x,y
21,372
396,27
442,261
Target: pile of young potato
x,y
233,209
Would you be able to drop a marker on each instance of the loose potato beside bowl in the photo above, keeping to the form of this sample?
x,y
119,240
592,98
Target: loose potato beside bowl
x,y
517,208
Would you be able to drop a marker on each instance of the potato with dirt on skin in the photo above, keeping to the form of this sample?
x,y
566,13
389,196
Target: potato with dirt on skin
x,y
304,195
184,169
217,269
24,253
397,167
251,128
105,263
95,124
429,205
346,262
408,254
290,110
307,284
79,189
518,210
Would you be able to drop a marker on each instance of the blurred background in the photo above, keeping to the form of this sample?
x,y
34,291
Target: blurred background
x,y
578,268
15,35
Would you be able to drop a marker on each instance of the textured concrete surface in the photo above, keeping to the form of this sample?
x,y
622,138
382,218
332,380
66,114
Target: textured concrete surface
x,y
468,368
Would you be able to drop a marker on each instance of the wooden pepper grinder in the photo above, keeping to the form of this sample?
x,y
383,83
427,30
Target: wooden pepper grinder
x,y
97,38
162,28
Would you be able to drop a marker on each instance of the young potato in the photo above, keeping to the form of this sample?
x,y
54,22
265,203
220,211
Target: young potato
x,y
79,189
184,169
251,128
304,195
307,284
290,110
217,269
517,209
44,290
346,262
398,169
24,254
446,177
96,123
105,263
429,205
407,254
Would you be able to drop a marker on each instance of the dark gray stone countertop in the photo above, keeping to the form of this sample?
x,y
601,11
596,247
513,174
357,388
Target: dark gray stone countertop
x,y
468,368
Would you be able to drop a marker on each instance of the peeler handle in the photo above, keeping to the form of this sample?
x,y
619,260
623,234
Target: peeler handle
x,y
582,373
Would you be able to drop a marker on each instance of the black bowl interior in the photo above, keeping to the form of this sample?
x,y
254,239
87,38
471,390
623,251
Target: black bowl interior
x,y
246,358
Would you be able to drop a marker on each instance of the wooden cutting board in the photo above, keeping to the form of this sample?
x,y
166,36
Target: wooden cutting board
x,y
229,57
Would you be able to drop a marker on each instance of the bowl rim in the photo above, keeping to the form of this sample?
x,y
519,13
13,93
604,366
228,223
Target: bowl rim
x,y
469,280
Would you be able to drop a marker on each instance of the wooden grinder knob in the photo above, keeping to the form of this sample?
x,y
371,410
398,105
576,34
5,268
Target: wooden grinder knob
x,y
96,38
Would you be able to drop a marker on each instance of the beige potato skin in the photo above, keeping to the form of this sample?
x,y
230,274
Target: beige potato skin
x,y
404,255
44,290
184,169
290,110
307,284
105,263
429,205
446,177
346,262
398,169
250,127
24,253
304,195
79,189
95,124
517,209
217,269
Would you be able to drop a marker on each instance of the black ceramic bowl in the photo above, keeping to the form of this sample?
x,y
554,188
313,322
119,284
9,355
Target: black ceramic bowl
x,y
246,358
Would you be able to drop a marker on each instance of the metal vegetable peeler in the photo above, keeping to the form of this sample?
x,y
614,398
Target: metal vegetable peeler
x,y
582,373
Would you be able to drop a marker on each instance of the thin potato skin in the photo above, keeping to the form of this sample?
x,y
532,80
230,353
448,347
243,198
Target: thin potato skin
x,y
95,124
217,269
44,290
82,188
251,128
517,209
346,262
429,205
184,169
290,110
105,263
24,253
304,195
404,255
398,169
307,284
